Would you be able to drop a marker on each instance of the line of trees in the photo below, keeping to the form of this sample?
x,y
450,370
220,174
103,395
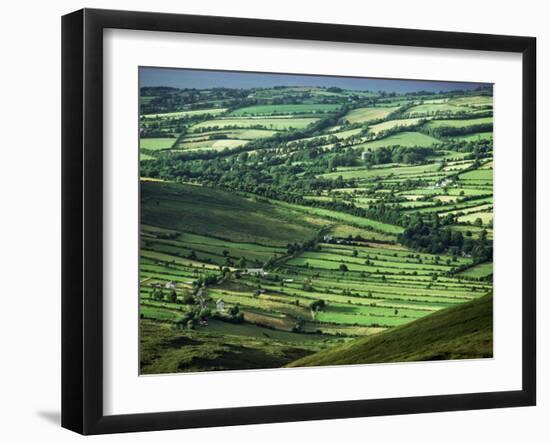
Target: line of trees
x,y
433,237
451,131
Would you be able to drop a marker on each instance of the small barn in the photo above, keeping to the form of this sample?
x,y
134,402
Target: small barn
x,y
220,305
256,271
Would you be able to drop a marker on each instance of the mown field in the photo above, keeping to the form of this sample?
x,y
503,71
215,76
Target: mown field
x,y
307,220
285,109
274,122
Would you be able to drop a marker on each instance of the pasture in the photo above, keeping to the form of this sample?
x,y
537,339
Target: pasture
x,y
473,101
267,123
363,173
430,109
474,137
210,144
459,123
285,109
390,124
407,139
365,115
155,144
236,134
180,114
483,270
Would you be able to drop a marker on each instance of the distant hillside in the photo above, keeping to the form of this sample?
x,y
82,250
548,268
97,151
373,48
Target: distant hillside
x,y
463,331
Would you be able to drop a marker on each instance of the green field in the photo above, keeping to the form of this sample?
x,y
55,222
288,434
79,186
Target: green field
x,y
459,123
352,220
408,139
473,101
267,123
305,226
384,126
435,108
154,144
365,115
479,174
285,109
237,134
482,270
179,114
474,137
362,173
146,99
210,144
485,217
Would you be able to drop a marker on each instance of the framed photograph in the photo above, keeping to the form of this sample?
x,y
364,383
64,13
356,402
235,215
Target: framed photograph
x,y
270,221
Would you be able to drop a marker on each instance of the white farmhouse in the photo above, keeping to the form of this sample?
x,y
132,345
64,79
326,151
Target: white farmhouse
x,y
170,285
220,306
256,271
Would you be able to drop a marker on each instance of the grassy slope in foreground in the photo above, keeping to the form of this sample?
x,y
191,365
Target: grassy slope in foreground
x,y
464,331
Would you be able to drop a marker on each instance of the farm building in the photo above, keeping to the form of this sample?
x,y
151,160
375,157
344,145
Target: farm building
x,y
443,183
220,305
256,271
170,285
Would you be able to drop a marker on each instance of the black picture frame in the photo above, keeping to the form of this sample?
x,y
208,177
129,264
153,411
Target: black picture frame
x,y
82,215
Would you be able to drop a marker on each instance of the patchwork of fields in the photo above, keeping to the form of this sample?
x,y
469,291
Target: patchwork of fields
x,y
272,232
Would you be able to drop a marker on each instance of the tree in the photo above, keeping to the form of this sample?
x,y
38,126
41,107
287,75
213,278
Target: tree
x,y
355,253
234,310
317,305
343,268
205,313
188,299
307,286
158,294
298,325
172,297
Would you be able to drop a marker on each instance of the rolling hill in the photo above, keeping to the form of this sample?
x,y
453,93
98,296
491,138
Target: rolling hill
x,y
461,332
